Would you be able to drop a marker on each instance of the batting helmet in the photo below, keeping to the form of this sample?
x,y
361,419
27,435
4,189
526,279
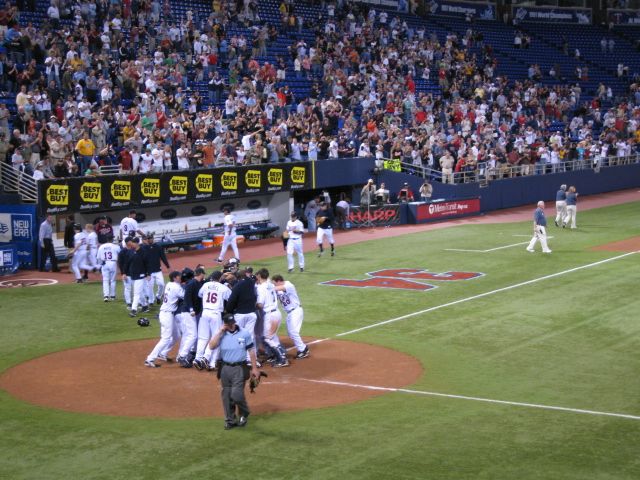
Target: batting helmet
x,y
144,322
187,274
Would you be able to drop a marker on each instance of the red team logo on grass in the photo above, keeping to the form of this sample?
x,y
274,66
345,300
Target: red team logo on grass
x,y
403,278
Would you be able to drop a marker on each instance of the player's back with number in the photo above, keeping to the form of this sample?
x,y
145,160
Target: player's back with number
x,y
213,296
108,252
173,293
267,296
289,297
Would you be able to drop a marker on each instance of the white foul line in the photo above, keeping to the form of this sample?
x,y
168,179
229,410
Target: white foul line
x,y
486,294
488,250
477,399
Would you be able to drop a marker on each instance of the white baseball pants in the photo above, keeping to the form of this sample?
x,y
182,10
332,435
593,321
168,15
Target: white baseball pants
x,y
322,233
229,241
561,210
77,263
210,323
294,245
127,283
189,333
167,340
539,235
247,321
294,324
139,293
109,279
155,279
570,216
270,332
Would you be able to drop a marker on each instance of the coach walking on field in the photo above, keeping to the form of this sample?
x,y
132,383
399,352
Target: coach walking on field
x,y
539,229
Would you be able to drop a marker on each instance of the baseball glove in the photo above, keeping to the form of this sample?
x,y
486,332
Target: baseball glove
x,y
320,220
255,381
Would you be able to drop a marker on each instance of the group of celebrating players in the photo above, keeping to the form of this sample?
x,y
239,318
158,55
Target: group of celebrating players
x,y
192,306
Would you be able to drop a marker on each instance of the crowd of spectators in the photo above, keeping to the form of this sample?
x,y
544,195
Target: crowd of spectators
x,y
111,86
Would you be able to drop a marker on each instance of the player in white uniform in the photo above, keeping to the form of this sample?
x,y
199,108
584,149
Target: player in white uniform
x,y
173,293
129,227
229,236
290,301
213,295
79,251
268,302
108,259
295,229
92,247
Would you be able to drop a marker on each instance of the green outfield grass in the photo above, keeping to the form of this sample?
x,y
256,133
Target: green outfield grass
x,y
571,340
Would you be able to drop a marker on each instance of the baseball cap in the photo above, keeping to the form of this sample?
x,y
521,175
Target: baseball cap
x,y
228,318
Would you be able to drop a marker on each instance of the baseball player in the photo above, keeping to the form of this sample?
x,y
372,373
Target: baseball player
x,y
539,229
229,236
138,271
191,309
79,252
123,265
92,248
295,229
129,227
108,254
213,294
324,220
242,303
268,302
168,328
290,301
561,204
155,254
572,200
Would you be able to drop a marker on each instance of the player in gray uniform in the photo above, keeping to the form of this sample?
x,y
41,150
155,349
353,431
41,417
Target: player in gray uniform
x,y
561,204
173,293
288,296
108,259
539,229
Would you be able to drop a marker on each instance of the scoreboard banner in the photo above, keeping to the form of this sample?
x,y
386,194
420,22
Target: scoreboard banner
x,y
82,194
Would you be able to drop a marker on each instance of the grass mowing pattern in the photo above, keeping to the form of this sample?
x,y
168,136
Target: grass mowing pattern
x,y
569,341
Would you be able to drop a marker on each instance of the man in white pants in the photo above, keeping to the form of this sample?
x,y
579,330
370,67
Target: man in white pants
x,y
242,303
92,247
268,302
168,329
295,229
229,236
138,272
572,207
79,252
123,265
191,311
539,229
213,295
324,221
561,204
107,258
155,258
290,301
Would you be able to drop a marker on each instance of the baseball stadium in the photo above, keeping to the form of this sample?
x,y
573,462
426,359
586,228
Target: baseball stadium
x,y
285,239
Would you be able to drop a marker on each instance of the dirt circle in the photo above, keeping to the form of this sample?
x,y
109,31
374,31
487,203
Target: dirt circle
x,y
111,379
28,282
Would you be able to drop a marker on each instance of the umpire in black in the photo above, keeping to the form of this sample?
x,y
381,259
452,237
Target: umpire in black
x,y
233,371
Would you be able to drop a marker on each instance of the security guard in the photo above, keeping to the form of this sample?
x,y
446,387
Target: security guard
x,y
234,343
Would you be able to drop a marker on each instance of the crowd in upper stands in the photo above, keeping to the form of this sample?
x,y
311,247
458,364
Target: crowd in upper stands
x,y
111,86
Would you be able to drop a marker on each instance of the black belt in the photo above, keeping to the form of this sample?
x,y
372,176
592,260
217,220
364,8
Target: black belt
x,y
271,311
234,364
